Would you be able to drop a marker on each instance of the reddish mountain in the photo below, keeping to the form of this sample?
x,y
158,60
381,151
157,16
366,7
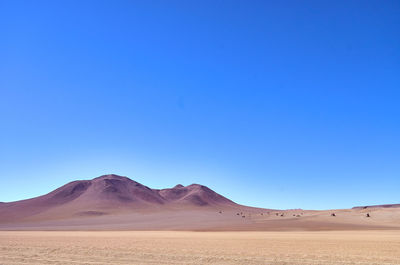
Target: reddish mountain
x,y
112,202
109,194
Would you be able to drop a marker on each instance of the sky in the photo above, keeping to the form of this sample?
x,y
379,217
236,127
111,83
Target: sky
x,y
276,104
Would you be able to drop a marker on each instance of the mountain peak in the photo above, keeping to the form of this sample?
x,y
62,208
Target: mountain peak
x,y
111,176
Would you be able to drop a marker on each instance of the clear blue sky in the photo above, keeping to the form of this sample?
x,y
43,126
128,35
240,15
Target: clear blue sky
x,y
281,104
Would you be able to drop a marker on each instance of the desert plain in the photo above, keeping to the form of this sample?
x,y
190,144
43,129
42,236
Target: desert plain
x,y
184,247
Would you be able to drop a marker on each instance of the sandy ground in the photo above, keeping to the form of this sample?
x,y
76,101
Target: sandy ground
x,y
212,220
167,247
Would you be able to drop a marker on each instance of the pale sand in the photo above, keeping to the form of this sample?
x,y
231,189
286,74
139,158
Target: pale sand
x,y
165,247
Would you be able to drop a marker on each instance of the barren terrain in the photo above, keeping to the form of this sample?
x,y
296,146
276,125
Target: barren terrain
x,y
167,247
113,202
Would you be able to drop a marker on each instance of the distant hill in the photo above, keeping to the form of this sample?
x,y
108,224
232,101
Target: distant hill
x,y
378,206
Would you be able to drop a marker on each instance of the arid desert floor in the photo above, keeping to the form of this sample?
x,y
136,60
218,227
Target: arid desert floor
x,y
169,247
